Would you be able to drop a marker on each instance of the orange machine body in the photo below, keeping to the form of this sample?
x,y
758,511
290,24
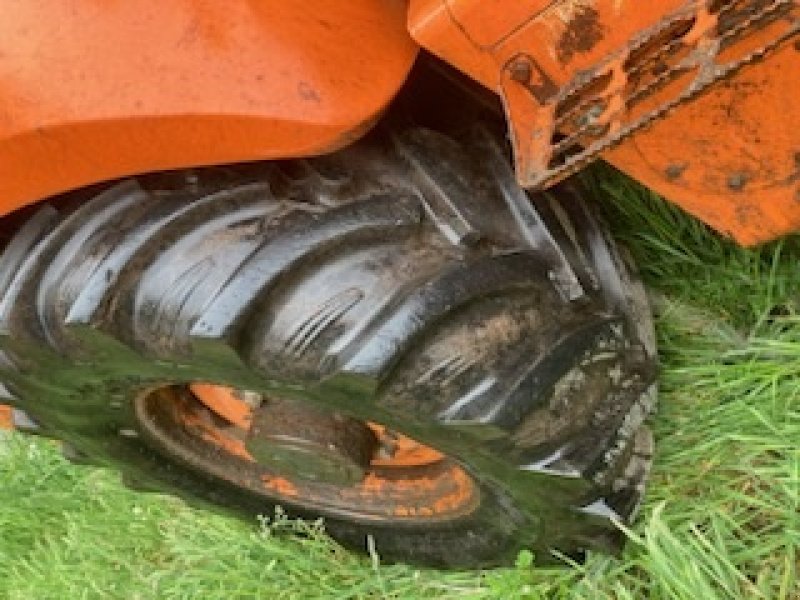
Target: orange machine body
x,y
586,70
91,91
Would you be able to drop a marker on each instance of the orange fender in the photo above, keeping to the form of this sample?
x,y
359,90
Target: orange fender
x,y
91,91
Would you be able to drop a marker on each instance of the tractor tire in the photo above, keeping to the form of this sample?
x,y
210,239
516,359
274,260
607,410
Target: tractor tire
x,y
405,281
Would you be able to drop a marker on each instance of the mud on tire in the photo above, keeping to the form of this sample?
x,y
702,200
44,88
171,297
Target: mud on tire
x,y
404,280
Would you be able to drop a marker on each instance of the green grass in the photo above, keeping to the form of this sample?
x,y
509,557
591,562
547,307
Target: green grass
x,y
722,518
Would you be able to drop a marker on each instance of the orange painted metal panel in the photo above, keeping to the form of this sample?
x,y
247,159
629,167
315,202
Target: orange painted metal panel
x,y
487,21
731,157
587,78
97,90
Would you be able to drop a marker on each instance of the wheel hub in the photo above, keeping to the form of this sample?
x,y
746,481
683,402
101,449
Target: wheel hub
x,y
294,437
305,456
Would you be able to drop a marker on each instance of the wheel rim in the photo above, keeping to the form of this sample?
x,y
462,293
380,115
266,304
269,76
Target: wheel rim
x,y
215,430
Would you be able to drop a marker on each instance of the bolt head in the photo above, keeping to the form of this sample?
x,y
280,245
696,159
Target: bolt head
x,y
521,70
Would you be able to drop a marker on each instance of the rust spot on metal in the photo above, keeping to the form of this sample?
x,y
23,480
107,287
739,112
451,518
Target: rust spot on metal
x,y
675,170
583,32
737,181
